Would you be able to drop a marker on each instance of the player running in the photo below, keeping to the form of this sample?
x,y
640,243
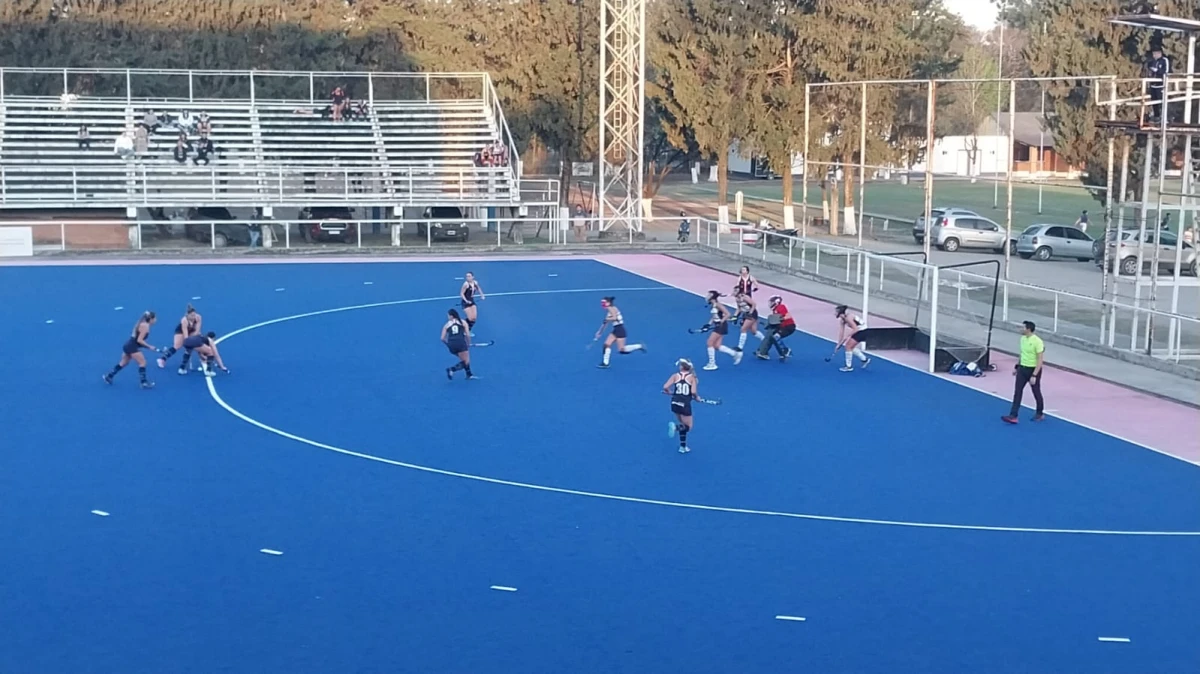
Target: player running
x,y
747,316
613,315
746,284
456,335
780,325
849,326
188,326
132,350
470,292
683,387
717,328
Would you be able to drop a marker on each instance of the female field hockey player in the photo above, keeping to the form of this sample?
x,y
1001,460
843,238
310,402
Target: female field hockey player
x,y
683,387
746,284
456,335
747,315
188,326
718,327
132,350
848,326
612,315
469,293
206,347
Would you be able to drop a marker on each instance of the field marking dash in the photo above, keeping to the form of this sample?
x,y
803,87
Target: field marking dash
x,y
503,588
279,290
49,321
100,513
458,278
368,283
1115,640
790,618
268,551
553,275
118,308
196,297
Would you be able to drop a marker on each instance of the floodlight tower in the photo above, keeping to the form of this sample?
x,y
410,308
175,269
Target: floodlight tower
x,y
1161,120
622,96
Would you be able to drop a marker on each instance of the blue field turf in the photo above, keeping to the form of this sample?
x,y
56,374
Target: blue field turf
x,y
387,568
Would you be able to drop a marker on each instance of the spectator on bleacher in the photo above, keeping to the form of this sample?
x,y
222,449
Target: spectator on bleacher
x,y
67,100
186,122
205,124
337,103
85,138
182,149
204,148
124,145
150,121
141,141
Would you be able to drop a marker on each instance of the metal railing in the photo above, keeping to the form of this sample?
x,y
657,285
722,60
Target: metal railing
x,y
135,183
1096,321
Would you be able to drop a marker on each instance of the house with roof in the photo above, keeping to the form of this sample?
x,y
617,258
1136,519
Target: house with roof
x,y
987,151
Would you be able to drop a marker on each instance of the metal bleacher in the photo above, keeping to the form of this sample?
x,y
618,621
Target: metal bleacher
x,y
411,150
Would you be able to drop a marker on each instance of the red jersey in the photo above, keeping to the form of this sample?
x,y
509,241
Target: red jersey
x,y
782,310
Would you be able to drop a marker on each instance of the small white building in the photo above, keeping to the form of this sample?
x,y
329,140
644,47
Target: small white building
x,y
757,167
987,151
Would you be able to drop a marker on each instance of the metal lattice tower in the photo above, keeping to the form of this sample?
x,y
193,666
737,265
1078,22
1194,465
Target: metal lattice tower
x,y
622,95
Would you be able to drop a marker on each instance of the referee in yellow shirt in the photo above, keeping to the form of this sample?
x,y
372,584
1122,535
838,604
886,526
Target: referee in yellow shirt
x,y
1029,371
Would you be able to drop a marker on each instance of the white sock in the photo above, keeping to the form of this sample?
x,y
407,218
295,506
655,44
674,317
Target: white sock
x,y
742,340
630,348
860,350
607,354
849,356
712,355
728,351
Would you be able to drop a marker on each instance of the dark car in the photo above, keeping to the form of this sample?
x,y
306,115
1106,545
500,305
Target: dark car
x,y
214,229
446,224
328,223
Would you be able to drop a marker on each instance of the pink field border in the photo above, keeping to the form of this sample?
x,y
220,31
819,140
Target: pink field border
x,y
1153,423
1158,425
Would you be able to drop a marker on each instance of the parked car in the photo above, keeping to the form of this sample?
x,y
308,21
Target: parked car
x,y
328,223
1125,254
213,230
953,230
1043,242
937,215
447,224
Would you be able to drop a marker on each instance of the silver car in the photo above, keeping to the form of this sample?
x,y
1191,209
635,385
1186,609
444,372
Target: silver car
x,y
1126,253
1043,242
955,229
936,215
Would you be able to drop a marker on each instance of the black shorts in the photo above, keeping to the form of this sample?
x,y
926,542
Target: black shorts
x,y
466,304
618,331
179,329
194,342
721,328
751,317
682,407
130,347
456,347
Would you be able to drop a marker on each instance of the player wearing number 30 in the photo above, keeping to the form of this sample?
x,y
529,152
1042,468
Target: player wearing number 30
x,y
683,387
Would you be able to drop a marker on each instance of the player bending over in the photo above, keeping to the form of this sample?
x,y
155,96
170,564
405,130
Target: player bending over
x,y
849,326
613,315
206,347
683,387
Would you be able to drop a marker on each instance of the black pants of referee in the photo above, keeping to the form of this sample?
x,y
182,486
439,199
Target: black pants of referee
x,y
1025,377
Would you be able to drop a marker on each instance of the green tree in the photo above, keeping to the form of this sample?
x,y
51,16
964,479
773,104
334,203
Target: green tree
x,y
704,52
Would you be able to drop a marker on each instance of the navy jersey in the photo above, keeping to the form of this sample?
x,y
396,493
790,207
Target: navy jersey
x,y
468,294
132,345
456,336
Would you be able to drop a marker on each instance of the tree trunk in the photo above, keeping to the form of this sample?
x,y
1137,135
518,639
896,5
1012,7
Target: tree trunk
x,y
825,200
834,216
851,225
564,195
723,178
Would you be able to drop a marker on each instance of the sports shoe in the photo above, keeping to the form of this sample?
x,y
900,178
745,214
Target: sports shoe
x,y
671,428
472,376
162,363
449,374
147,384
107,378
866,363
847,369
737,357
710,367
1009,419
182,370
602,366
1039,417
684,450
761,356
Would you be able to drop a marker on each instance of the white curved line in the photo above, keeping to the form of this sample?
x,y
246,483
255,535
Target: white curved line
x,y
212,390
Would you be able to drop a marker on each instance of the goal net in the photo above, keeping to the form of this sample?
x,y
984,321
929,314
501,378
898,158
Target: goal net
x,y
959,304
